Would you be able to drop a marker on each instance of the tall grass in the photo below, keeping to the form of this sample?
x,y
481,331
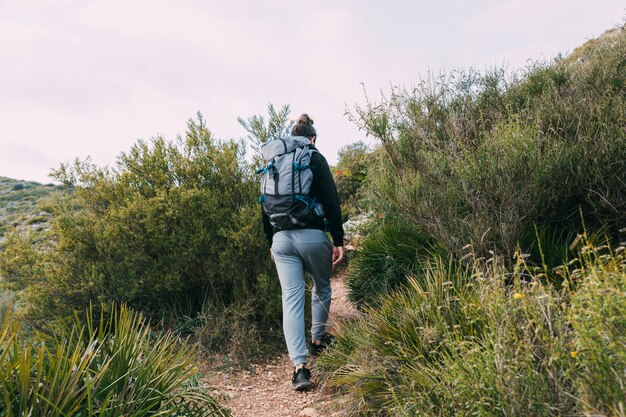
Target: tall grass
x,y
598,320
487,157
463,342
391,251
112,366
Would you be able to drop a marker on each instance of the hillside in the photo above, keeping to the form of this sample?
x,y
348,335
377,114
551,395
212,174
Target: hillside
x,y
608,39
18,204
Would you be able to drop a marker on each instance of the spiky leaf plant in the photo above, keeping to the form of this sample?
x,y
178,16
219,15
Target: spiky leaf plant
x,y
115,366
491,341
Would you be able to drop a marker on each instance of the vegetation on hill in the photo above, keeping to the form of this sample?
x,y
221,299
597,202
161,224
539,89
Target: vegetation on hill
x,y
19,205
460,341
520,178
491,280
486,158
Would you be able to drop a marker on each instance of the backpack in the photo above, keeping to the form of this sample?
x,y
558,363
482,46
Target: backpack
x,y
286,183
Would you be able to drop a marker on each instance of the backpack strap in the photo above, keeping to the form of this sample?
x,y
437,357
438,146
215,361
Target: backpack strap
x,y
299,167
266,169
306,148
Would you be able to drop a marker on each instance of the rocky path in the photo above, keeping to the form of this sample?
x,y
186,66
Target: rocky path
x,y
266,390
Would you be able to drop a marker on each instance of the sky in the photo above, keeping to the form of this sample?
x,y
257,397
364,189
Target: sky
x,y
88,78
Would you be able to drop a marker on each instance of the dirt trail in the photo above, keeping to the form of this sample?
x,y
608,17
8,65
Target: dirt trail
x,y
266,391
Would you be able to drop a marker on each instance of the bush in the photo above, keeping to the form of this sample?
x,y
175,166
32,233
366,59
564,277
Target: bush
x,y
235,326
350,174
548,248
173,227
390,253
462,342
486,158
113,367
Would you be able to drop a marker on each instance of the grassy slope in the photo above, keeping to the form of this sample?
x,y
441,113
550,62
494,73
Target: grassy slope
x,y
584,51
18,204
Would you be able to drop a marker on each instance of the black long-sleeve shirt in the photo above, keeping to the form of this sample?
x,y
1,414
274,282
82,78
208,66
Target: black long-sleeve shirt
x,y
324,189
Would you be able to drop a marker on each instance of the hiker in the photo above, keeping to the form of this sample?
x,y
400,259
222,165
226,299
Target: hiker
x,y
298,241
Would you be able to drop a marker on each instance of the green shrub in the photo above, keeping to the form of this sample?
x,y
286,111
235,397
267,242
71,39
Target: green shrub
x,y
387,255
113,367
458,342
261,129
173,227
374,356
548,248
237,327
350,174
21,261
486,158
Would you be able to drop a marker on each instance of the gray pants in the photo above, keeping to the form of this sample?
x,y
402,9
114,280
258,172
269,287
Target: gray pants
x,y
294,252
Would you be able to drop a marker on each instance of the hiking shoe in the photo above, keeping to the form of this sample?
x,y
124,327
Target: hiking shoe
x,y
327,340
301,379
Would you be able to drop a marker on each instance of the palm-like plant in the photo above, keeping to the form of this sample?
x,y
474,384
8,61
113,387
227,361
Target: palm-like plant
x,y
117,367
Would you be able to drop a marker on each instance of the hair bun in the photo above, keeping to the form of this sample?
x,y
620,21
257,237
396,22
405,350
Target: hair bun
x,y
304,127
305,120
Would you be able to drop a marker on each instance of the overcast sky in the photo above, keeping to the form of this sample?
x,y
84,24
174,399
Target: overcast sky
x,y
85,78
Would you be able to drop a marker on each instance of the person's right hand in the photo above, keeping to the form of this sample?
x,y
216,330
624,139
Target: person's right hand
x,y
337,255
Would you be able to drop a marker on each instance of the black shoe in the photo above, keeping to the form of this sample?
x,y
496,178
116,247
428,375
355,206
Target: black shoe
x,y
327,340
301,379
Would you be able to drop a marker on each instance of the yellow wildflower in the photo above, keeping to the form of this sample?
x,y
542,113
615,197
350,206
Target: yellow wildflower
x,y
517,296
573,354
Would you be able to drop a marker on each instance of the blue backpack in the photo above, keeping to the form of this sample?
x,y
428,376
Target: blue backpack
x,y
286,183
